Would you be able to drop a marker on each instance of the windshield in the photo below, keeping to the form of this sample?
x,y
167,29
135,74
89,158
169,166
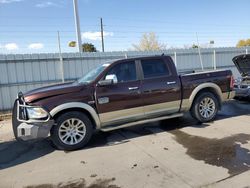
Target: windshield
x,y
92,75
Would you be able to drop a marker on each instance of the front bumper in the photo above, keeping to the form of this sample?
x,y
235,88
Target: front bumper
x,y
29,129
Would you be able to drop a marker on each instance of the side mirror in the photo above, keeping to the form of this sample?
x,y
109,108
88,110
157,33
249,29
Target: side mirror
x,y
109,80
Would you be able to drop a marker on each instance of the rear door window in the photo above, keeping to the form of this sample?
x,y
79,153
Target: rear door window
x,y
153,68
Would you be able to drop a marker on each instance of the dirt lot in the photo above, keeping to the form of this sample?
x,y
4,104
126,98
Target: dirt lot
x,y
173,153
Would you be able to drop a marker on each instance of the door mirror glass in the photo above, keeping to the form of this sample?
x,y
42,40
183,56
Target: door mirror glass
x,y
109,80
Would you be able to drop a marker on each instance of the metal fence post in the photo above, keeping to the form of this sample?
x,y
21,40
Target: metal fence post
x,y
215,67
175,59
60,57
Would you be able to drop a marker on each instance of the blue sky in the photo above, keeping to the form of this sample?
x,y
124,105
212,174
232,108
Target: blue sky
x,y
30,26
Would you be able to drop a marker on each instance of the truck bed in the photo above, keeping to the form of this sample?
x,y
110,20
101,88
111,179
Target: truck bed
x,y
192,80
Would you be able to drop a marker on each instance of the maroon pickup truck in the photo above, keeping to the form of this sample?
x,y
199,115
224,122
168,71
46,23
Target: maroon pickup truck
x,y
118,94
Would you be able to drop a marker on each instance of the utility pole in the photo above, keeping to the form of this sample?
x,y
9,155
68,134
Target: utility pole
x,y
77,25
60,56
199,50
102,36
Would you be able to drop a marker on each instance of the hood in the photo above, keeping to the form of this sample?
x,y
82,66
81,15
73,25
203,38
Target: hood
x,y
242,62
49,91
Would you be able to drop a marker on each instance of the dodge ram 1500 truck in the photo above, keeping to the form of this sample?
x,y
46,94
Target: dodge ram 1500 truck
x,y
115,95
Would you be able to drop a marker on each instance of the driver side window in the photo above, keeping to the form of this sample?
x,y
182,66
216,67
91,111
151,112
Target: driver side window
x,y
124,72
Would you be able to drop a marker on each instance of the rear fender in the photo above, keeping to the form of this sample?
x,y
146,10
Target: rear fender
x,y
187,103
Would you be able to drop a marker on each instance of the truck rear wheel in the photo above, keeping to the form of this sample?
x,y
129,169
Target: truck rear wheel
x,y
205,107
72,131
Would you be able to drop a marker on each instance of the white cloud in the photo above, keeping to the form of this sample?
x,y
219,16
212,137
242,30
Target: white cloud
x,y
46,4
9,1
96,35
11,46
36,46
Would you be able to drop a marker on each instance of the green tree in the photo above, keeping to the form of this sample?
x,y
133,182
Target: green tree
x,y
72,44
149,42
243,43
195,46
248,42
88,47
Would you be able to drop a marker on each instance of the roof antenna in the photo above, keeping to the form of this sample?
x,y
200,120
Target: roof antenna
x,y
162,54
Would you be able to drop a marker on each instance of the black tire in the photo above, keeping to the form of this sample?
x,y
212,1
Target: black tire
x,y
61,122
198,113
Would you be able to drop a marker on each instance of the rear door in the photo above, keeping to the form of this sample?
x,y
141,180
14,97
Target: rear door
x,y
161,87
121,102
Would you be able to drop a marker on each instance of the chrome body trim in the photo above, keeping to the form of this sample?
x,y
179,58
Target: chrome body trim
x,y
133,88
170,83
204,72
81,105
103,100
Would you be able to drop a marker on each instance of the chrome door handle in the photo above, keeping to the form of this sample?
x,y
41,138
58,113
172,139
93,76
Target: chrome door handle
x,y
133,88
173,82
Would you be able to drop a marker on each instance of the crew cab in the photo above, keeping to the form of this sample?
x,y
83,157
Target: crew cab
x,y
118,94
242,85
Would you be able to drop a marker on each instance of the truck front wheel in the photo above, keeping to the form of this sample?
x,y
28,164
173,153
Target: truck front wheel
x,y
72,131
205,107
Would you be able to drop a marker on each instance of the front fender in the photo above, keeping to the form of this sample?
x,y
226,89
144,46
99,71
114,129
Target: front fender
x,y
81,105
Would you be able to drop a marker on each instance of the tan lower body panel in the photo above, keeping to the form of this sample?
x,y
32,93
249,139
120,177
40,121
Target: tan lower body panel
x,y
228,95
162,108
139,112
151,110
186,103
121,115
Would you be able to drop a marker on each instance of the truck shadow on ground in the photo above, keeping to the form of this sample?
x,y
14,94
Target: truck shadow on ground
x,y
13,153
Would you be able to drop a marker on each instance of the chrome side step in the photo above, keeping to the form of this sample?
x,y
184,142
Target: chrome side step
x,y
110,128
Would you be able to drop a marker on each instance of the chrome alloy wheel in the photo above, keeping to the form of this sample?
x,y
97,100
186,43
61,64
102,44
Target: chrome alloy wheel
x,y
72,131
207,107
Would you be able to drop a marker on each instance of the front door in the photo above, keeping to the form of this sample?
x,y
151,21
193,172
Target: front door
x,y
120,102
161,89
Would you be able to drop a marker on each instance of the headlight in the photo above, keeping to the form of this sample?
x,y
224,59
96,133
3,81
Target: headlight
x,y
37,113
238,80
